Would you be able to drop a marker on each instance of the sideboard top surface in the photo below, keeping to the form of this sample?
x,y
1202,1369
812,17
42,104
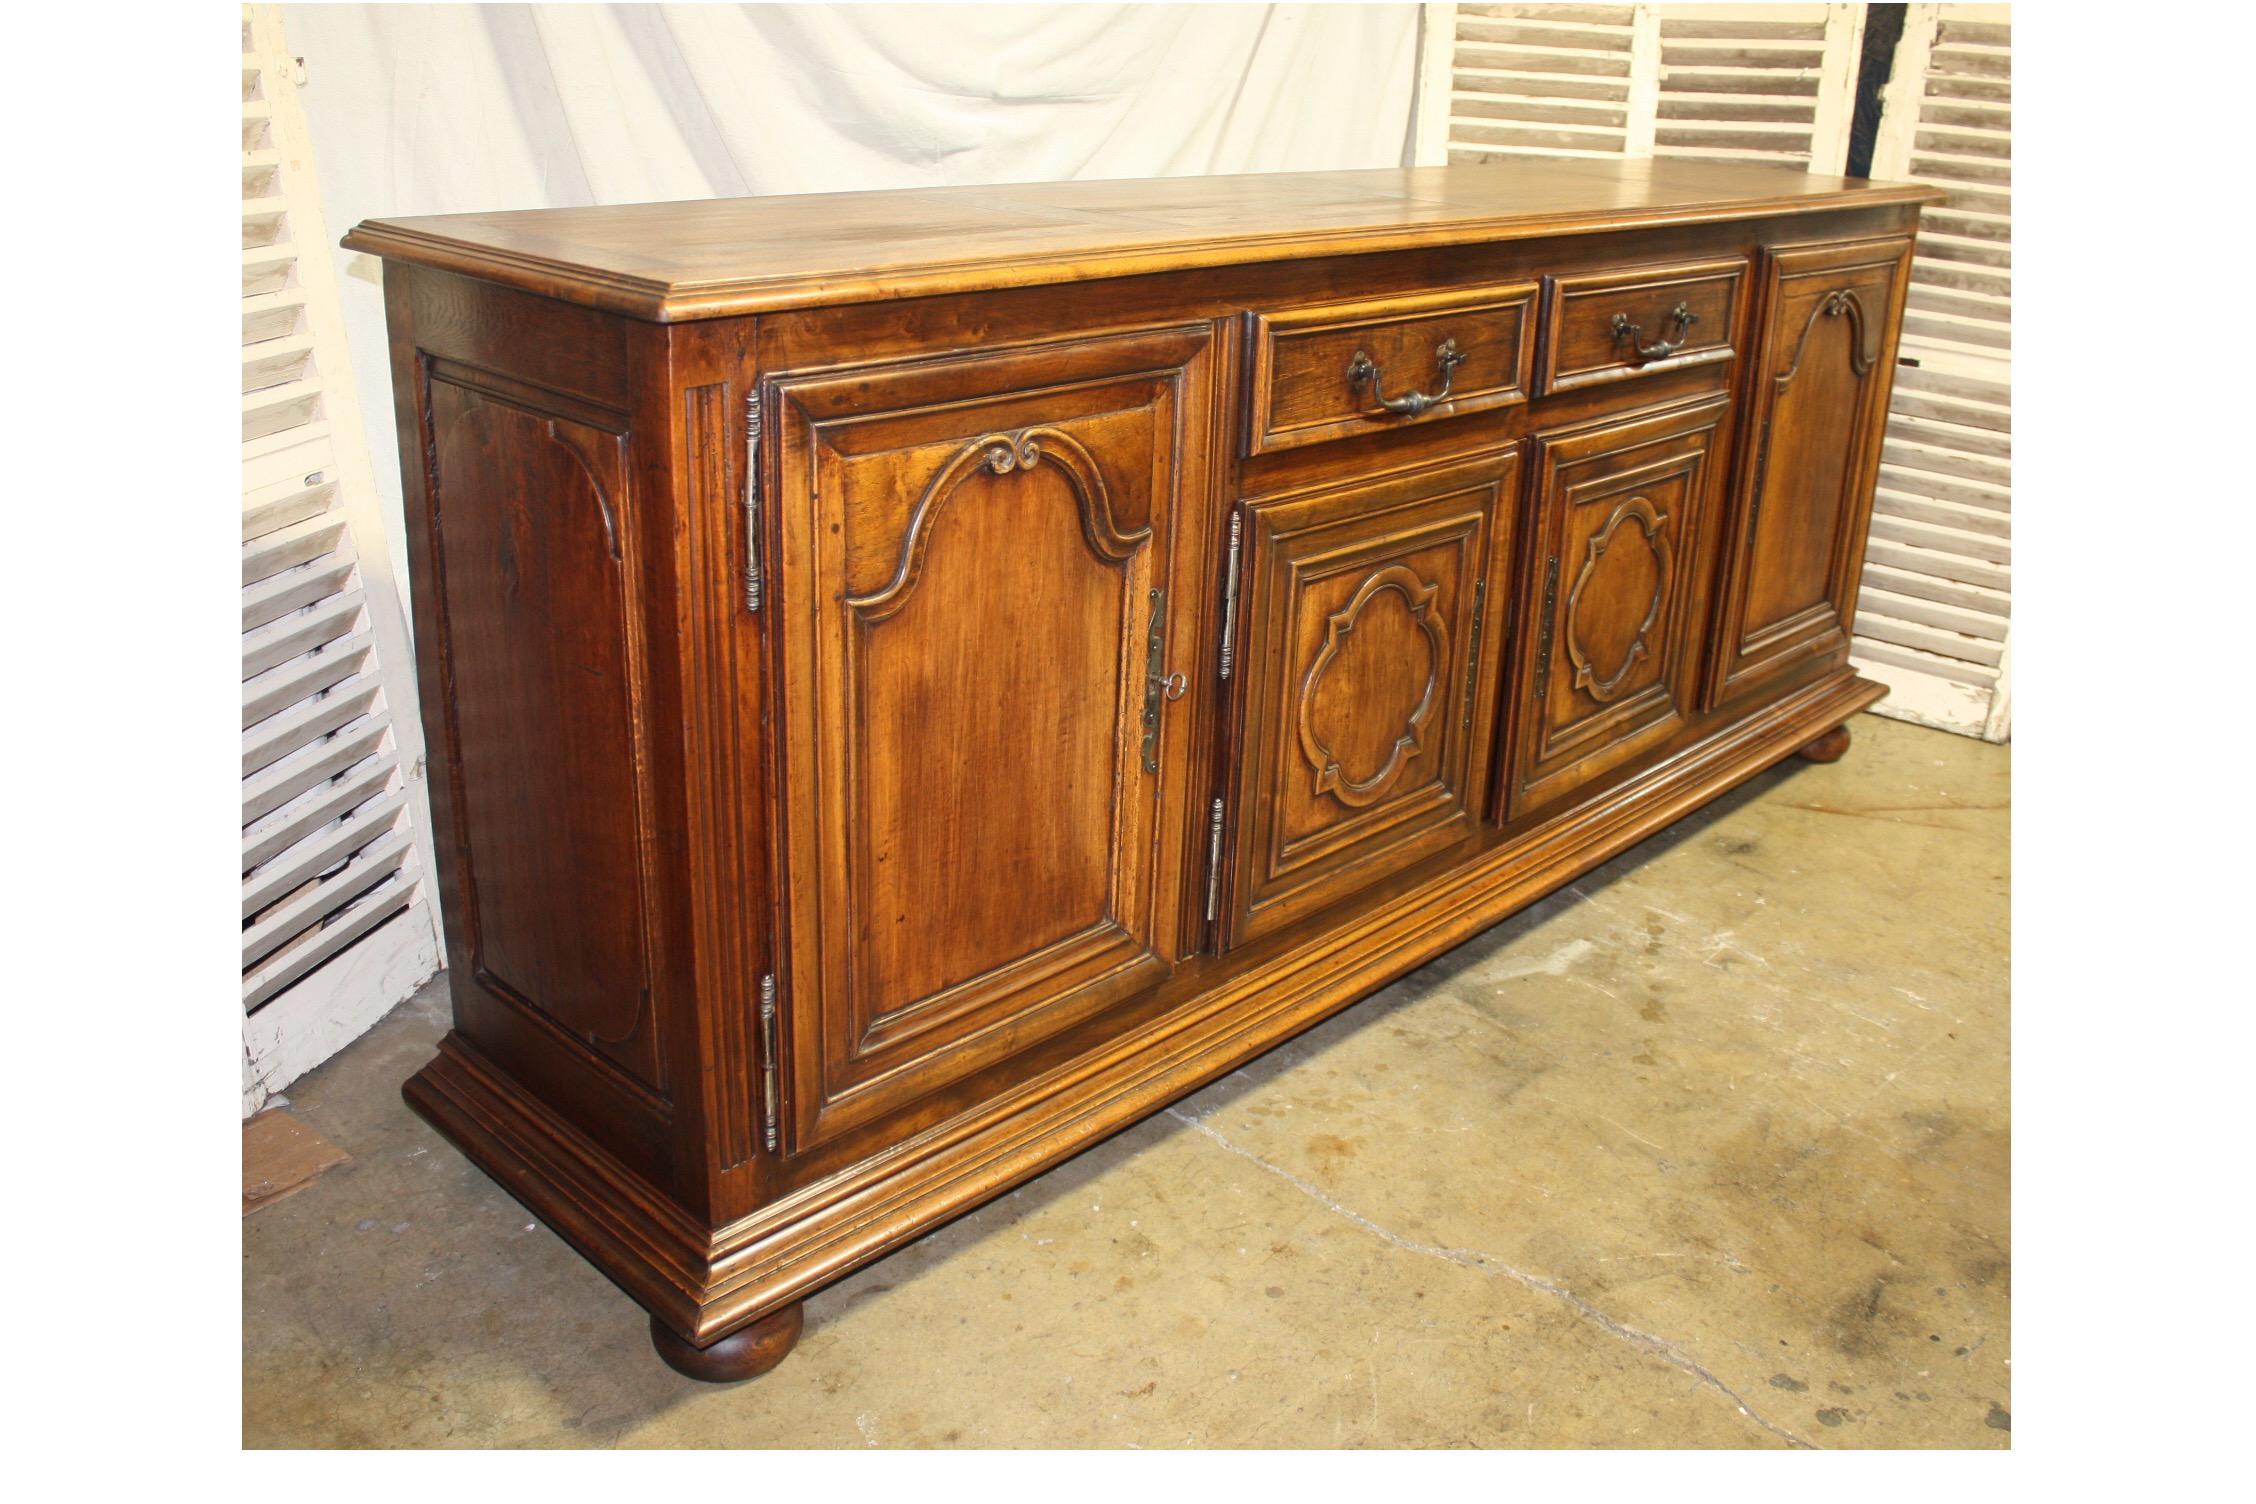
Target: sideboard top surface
x,y
713,258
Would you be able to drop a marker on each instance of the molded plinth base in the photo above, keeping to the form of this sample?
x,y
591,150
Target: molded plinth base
x,y
745,1353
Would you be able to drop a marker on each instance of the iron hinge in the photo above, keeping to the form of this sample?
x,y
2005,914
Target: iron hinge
x,y
1214,862
1543,638
1230,594
755,574
768,1076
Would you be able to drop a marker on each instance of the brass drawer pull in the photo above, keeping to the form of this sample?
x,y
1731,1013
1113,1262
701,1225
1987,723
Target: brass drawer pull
x,y
1681,317
1446,356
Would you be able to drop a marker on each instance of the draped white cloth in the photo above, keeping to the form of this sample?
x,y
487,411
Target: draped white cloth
x,y
432,109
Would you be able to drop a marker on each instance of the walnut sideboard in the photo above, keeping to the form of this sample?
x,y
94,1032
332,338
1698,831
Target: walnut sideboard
x,y
917,681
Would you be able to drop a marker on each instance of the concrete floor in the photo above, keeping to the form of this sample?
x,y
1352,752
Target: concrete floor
x,y
1709,1150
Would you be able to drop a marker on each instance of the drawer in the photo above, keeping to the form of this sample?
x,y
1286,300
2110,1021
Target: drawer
x,y
1335,370
1611,326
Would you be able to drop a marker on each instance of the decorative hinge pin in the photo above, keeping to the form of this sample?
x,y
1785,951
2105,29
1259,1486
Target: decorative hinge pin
x,y
1214,861
1543,640
754,575
1230,594
768,1077
1472,657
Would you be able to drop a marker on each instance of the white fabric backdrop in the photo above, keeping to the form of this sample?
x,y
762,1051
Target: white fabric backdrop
x,y
434,109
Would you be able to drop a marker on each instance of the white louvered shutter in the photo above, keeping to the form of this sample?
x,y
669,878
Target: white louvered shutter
x,y
336,925
1933,617
1777,83
1741,83
1758,83
1536,80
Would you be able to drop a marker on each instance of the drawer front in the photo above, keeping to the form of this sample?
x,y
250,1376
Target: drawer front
x,y
1608,672
1612,326
1335,370
1369,681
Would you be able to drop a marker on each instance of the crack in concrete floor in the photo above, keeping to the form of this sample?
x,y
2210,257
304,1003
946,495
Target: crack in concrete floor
x,y
1488,1263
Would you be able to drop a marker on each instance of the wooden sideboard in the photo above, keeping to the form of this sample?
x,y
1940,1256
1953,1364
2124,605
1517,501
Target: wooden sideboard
x,y
917,681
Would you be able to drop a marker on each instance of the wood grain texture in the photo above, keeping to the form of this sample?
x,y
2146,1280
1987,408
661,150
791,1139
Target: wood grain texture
x,y
790,922
715,258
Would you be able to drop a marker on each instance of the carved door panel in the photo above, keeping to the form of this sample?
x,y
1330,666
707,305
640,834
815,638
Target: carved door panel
x,y
1369,656
1607,666
986,787
1829,317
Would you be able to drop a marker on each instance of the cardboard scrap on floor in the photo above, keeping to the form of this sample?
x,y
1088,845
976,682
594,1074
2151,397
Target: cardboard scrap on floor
x,y
280,1156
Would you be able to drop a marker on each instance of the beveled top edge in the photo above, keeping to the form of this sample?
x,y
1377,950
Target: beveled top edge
x,y
716,258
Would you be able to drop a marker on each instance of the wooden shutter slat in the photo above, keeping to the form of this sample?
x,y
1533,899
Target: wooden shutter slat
x,y
1985,624
285,549
294,505
276,785
344,928
320,897
1926,587
278,642
270,600
324,848
285,827
269,694
278,736
1934,666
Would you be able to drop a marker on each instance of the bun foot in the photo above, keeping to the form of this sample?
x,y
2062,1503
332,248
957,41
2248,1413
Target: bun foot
x,y
1826,748
745,1353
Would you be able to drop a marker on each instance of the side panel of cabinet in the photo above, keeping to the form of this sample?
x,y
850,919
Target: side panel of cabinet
x,y
1608,665
535,563
1368,693
987,809
1829,316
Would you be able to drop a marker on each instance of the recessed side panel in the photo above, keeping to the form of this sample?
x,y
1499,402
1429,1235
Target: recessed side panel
x,y
534,556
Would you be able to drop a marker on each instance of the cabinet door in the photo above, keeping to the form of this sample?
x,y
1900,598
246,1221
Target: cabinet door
x,y
1829,316
1608,666
987,823
1368,694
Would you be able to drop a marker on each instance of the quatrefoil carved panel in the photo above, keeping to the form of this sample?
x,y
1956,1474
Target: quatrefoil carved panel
x,y
1653,524
1418,596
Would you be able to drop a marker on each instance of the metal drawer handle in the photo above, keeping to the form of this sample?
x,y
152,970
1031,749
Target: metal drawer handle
x,y
1681,316
1447,357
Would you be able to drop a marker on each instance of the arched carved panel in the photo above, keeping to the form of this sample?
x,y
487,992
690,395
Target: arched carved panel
x,y
1418,598
1864,338
1787,588
1001,454
971,558
1653,524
